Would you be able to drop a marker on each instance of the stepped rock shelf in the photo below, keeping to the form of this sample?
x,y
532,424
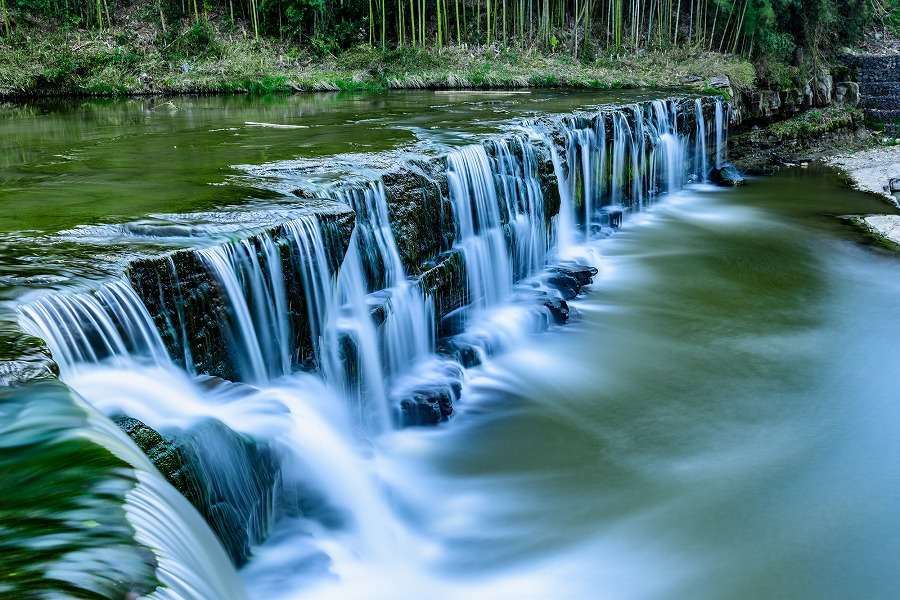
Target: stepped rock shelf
x,y
383,273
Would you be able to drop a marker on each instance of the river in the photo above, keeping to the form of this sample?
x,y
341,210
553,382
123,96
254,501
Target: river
x,y
718,418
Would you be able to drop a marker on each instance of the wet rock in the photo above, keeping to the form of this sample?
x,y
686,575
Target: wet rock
x,y
446,282
20,371
726,175
191,311
162,452
427,406
558,310
232,480
468,356
584,274
419,411
454,322
567,285
420,211
894,184
615,216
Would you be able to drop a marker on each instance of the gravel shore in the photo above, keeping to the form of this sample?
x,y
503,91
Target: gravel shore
x,y
872,171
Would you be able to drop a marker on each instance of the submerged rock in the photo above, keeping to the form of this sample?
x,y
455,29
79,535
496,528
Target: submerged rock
x,y
726,176
427,407
232,480
584,274
162,452
63,511
567,285
558,309
761,170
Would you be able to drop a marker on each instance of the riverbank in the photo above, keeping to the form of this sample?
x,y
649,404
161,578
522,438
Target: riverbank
x,y
83,63
876,171
812,134
871,170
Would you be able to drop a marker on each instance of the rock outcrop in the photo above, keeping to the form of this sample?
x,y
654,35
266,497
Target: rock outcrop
x,y
233,481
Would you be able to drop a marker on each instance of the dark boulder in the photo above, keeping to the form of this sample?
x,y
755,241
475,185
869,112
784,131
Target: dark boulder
x,y
162,452
427,406
430,403
558,310
567,286
584,274
726,175
614,217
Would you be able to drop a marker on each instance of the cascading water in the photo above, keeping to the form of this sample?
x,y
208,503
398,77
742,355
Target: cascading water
x,y
254,286
721,129
623,159
371,328
471,182
701,159
319,288
86,328
408,327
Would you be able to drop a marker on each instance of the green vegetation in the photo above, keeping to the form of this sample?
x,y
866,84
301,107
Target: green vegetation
x,y
814,123
119,46
92,63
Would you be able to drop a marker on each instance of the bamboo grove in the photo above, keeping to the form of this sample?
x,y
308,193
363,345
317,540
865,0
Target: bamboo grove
x,y
578,27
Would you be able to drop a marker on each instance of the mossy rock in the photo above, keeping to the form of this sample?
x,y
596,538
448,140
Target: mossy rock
x,y
232,480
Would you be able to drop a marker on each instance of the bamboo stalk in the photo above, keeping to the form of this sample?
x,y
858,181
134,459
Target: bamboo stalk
x,y
677,22
412,23
737,32
6,17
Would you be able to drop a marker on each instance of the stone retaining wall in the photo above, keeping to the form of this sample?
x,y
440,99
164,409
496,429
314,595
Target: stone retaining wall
x,y
879,84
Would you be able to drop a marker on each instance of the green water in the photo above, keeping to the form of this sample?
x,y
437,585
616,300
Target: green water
x,y
69,163
723,422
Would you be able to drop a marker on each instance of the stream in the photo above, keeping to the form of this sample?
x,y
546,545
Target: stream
x,y
713,416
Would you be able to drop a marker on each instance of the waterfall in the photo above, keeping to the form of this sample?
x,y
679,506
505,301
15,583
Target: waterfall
x,y
701,159
621,159
480,228
373,275
87,328
333,341
408,327
319,287
516,168
721,132
501,228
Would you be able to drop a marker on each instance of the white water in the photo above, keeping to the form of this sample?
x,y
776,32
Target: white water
x,y
84,328
387,514
191,561
701,158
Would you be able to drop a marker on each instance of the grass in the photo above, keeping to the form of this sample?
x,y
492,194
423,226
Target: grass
x,y
813,123
35,62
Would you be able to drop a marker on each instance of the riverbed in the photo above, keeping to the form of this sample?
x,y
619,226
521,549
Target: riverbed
x,y
717,419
